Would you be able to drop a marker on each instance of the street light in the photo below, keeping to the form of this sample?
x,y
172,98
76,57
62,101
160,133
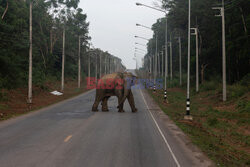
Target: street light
x,y
222,15
188,116
197,57
140,49
140,44
141,37
139,25
166,44
79,62
154,57
140,4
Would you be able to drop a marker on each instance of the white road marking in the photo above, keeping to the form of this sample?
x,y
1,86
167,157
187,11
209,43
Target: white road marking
x,y
164,138
67,138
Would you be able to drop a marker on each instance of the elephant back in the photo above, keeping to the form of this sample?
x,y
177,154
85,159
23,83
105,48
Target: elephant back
x,y
113,76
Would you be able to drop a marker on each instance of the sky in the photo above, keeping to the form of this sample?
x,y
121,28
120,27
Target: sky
x,y
113,26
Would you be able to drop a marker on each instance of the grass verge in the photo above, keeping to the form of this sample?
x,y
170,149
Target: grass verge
x,y
14,102
221,130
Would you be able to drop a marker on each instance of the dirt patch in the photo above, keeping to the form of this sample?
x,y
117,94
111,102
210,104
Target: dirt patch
x,y
15,101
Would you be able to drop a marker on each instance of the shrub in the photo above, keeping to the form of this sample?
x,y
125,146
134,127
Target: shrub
x,y
245,81
236,90
212,121
209,85
243,106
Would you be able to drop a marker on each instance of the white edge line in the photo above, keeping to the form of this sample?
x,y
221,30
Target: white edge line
x,y
164,138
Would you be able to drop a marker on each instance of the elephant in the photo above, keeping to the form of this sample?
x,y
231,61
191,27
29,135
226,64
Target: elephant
x,y
116,84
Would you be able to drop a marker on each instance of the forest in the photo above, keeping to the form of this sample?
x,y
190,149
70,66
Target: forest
x,y
50,18
237,22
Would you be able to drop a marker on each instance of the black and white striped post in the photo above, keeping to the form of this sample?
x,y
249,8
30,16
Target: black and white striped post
x,y
188,116
154,88
188,107
165,96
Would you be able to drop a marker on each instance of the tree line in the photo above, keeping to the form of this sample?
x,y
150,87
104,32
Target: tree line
x,y
237,14
50,19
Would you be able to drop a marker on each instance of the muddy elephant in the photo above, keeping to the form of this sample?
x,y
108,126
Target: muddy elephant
x,y
116,84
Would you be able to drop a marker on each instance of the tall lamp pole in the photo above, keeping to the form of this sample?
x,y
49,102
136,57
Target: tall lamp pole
x,y
180,63
166,46
222,15
197,57
30,58
188,116
171,58
79,63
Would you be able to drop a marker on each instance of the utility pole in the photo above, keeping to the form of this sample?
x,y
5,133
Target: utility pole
x,y
79,63
96,67
162,63
105,67
110,65
150,61
30,58
159,67
166,60
100,65
156,52
197,57
171,58
89,70
222,15
63,60
188,116
180,65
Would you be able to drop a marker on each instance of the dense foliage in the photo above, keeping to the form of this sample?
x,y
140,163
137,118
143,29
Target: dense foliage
x,y
50,17
237,14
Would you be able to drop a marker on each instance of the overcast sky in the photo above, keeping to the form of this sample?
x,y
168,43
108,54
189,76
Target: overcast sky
x,y
112,26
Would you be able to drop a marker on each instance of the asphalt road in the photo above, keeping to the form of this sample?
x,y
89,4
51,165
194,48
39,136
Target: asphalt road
x,y
68,134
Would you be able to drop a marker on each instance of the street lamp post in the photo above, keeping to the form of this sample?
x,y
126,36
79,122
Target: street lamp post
x,y
100,65
79,63
63,60
166,45
171,58
89,69
30,58
197,58
140,44
222,15
180,63
188,116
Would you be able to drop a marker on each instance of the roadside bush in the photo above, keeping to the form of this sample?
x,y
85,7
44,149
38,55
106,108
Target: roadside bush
x,y
209,85
245,81
237,90
243,106
212,121
3,96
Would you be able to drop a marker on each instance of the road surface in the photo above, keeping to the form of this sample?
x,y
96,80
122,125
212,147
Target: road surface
x,y
68,134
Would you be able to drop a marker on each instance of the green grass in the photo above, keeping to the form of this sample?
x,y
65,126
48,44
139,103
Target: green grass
x,y
3,107
216,131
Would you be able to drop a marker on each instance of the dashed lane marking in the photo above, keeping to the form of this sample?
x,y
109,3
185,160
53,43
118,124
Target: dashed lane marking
x,y
67,138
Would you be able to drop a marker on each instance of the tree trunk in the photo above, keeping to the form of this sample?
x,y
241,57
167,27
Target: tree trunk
x,y
5,11
203,68
243,20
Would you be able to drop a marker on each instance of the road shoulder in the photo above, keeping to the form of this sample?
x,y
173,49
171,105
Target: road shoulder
x,y
175,136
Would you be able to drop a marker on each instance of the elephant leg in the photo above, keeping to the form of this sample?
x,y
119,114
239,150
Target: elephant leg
x,y
132,102
105,104
98,98
120,106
